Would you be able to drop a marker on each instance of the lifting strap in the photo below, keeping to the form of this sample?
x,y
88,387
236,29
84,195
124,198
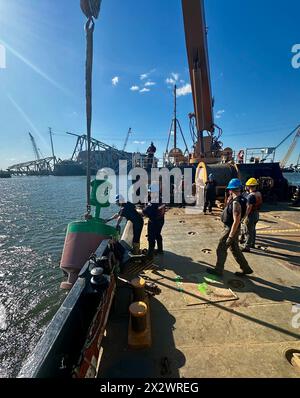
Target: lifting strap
x,y
91,9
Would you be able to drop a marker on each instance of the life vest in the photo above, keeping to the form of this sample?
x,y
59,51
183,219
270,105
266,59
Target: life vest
x,y
227,215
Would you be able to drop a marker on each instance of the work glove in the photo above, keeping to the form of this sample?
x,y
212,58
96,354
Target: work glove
x,y
229,242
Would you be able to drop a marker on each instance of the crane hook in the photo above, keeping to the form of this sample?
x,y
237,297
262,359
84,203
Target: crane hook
x,y
90,8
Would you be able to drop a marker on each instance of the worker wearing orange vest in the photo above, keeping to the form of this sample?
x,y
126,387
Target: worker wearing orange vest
x,y
254,202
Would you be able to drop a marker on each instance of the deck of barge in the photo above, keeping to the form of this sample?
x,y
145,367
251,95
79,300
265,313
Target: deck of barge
x,y
247,337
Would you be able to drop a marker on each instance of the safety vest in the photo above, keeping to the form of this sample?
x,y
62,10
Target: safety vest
x,y
258,201
227,215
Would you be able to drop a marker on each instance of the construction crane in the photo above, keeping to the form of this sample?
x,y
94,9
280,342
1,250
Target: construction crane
x,y
35,148
126,140
52,146
290,151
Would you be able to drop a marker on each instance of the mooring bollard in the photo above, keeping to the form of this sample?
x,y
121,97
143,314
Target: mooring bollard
x,y
138,312
139,293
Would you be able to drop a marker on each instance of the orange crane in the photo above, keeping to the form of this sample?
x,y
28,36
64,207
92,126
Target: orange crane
x,y
206,148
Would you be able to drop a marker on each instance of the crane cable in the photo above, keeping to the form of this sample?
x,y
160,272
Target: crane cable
x,y
91,10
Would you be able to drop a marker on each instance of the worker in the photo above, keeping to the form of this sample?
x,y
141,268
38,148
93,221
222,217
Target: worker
x,y
156,215
240,157
128,211
231,217
151,150
254,202
150,157
210,193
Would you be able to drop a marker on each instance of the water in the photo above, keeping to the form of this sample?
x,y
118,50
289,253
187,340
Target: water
x,y
34,213
293,178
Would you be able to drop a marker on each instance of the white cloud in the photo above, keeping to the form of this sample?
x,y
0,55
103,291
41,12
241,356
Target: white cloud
x,y
220,113
170,80
173,79
145,90
146,75
134,88
139,142
115,80
184,90
149,84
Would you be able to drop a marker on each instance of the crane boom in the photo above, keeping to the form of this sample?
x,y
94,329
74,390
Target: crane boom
x,y
126,140
291,149
197,51
35,148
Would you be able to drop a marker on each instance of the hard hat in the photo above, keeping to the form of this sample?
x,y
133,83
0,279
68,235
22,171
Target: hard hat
x,y
234,184
252,182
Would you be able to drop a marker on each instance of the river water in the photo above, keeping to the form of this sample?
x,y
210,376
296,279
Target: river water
x,y
34,213
293,178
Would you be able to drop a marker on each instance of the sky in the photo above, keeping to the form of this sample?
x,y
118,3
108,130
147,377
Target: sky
x,y
139,54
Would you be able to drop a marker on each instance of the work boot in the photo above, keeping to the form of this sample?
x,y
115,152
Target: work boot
x,y
160,249
150,254
214,271
244,273
246,250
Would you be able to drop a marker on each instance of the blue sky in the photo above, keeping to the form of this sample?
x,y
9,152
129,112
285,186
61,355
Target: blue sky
x,y
256,90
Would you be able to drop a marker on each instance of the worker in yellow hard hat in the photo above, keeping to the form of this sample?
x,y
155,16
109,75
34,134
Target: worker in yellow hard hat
x,y
254,203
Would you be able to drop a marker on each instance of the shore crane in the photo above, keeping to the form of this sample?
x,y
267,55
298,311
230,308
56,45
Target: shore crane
x,y
291,149
126,140
34,146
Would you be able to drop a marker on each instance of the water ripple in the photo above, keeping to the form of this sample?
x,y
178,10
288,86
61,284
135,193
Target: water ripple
x,y
34,213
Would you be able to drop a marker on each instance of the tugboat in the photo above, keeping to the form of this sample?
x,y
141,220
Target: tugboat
x,y
71,344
